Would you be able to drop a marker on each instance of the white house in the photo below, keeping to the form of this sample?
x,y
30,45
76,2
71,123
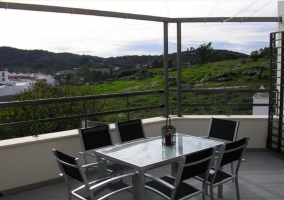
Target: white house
x,y
3,76
11,87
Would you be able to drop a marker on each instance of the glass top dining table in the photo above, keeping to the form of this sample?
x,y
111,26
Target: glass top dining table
x,y
149,153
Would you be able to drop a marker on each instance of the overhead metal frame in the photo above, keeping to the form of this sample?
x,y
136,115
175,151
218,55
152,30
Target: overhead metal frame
x,y
165,20
81,11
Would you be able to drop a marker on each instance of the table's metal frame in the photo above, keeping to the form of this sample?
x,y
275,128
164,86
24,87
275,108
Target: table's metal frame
x,y
139,185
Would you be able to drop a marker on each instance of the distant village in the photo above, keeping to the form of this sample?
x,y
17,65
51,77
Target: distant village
x,y
12,83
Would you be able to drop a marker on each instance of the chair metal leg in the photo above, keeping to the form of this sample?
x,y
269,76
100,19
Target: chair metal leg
x,y
232,170
237,189
211,192
220,191
203,195
206,189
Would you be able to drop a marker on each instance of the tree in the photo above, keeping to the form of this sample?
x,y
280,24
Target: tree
x,y
203,53
261,53
83,72
254,54
264,52
170,63
161,63
155,63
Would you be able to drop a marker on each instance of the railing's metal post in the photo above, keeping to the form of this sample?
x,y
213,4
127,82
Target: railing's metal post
x,y
179,110
35,125
166,73
228,104
85,113
128,115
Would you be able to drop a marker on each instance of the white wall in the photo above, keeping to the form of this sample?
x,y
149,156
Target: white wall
x,y
260,110
16,88
29,160
3,75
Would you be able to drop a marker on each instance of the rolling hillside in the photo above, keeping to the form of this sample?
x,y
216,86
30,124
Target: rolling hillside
x,y
35,61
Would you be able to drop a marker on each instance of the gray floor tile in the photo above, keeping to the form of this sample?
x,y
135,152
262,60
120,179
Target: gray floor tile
x,y
261,177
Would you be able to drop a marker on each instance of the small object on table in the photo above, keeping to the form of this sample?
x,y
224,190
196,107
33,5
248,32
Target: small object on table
x,y
168,133
168,139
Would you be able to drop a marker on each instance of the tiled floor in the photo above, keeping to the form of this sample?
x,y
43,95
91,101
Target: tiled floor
x,y
261,177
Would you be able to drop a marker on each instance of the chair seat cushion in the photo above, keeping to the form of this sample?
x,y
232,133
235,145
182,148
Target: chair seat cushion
x,y
183,189
220,176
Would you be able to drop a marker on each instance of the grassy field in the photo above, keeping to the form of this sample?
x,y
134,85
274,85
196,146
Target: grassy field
x,y
192,77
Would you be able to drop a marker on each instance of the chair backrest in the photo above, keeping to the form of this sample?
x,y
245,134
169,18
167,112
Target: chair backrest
x,y
223,129
234,152
195,164
129,130
68,166
95,137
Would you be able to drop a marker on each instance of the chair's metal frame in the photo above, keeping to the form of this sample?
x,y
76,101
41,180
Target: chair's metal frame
x,y
237,123
92,186
232,176
234,138
118,131
177,178
85,152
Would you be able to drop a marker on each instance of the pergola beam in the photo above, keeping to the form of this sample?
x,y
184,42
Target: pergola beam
x,y
81,11
225,19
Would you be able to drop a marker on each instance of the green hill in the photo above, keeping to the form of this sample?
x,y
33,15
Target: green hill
x,y
230,73
40,61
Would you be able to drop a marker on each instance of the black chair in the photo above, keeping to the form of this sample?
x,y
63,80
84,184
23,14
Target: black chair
x,y
217,177
190,165
98,137
130,130
225,130
98,189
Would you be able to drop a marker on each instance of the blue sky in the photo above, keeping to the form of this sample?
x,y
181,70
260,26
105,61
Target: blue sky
x,y
106,37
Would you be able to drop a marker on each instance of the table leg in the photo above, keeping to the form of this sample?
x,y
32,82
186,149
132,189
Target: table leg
x,y
174,168
102,167
139,186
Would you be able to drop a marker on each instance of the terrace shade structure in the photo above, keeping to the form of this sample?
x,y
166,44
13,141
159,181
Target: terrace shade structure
x,y
61,7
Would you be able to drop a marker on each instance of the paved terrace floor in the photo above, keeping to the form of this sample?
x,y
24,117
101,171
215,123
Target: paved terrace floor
x,y
261,177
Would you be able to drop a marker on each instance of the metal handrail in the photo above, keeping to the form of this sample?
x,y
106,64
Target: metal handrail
x,y
14,104
34,120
